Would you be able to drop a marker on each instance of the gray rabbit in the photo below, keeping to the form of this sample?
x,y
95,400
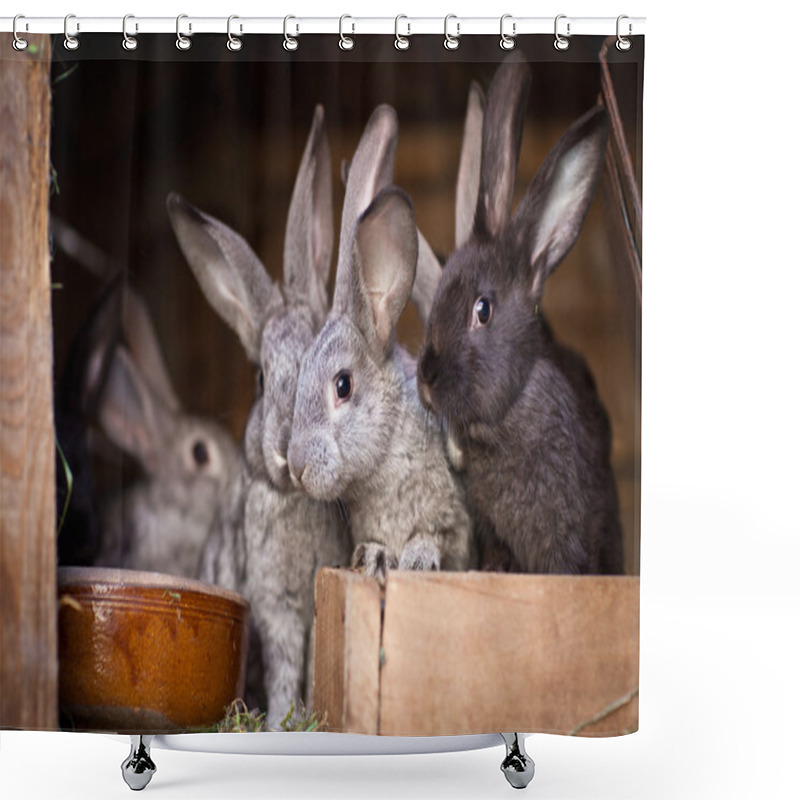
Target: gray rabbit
x,y
359,433
522,410
160,523
270,539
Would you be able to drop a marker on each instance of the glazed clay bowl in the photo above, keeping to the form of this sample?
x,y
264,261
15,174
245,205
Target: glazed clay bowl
x,y
141,652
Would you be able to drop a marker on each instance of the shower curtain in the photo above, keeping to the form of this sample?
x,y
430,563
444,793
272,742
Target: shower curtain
x,y
347,326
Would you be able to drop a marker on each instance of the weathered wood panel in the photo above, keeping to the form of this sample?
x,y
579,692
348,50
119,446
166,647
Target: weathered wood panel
x,y
474,652
28,661
347,651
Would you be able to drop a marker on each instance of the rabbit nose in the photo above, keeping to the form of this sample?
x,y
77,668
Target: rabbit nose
x,y
297,468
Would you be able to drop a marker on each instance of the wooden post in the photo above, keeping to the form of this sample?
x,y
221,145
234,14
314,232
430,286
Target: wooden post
x,y
28,658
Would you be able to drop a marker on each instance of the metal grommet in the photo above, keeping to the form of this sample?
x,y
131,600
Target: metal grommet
x,y
561,42
70,42
507,42
346,42
401,42
451,42
289,42
234,42
18,43
182,42
623,43
129,42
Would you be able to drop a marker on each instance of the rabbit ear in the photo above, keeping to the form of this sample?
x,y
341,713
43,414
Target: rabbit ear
x,y
140,338
232,278
384,263
370,171
89,359
129,412
469,165
501,140
429,271
308,246
551,214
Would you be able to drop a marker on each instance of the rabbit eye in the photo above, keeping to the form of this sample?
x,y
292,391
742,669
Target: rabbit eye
x,y
482,312
343,386
200,454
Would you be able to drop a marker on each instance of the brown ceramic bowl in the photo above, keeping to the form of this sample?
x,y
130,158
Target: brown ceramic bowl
x,y
141,652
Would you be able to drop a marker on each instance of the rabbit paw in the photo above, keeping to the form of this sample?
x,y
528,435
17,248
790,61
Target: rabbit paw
x,y
375,559
420,553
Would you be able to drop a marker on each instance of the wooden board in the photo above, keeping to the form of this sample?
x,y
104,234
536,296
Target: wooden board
x,y
464,653
347,650
28,662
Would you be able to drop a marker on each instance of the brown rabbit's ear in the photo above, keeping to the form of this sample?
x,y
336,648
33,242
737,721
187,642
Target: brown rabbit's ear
x,y
502,136
469,165
384,263
555,205
129,412
308,246
140,337
232,278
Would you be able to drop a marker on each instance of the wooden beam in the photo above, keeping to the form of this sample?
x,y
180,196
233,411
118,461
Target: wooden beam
x,y
28,658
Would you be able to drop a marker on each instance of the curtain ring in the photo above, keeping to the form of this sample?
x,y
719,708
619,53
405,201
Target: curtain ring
x,y
561,42
70,42
346,42
289,42
507,42
129,42
18,43
623,43
401,42
182,42
451,42
234,42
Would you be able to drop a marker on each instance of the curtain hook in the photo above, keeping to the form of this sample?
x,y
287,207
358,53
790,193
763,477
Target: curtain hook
x,y
129,42
234,42
401,42
561,42
507,42
346,42
18,43
289,42
623,43
70,42
451,42
182,42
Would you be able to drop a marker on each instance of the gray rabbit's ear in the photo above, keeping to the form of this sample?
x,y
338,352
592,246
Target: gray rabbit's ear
x,y
370,171
502,136
469,165
308,246
232,278
429,271
130,413
555,205
142,343
384,263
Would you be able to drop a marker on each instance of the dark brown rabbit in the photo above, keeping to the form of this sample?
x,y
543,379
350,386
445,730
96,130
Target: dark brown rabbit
x,y
522,411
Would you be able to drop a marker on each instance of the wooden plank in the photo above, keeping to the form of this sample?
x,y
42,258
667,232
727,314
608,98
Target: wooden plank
x,y
347,651
28,666
482,652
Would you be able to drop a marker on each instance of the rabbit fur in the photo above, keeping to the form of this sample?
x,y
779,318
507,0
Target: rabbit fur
x,y
523,415
161,522
376,450
270,539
